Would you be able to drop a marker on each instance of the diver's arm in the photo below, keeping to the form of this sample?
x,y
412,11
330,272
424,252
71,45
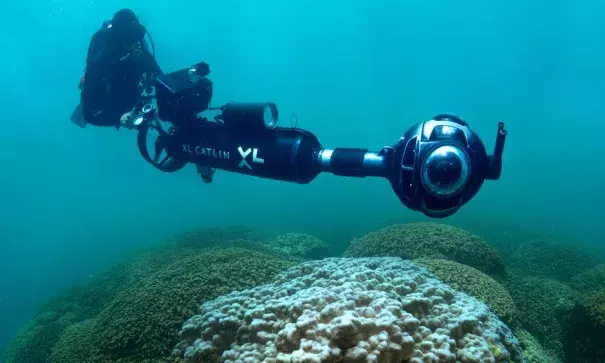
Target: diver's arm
x,y
153,65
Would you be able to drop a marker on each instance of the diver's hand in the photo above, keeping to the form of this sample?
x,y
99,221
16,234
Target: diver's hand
x,y
127,120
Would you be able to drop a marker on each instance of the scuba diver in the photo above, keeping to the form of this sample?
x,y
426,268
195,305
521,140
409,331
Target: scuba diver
x,y
120,69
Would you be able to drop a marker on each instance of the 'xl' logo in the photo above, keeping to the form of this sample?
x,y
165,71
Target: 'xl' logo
x,y
244,154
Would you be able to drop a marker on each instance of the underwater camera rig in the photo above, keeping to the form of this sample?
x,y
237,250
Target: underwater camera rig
x,y
436,167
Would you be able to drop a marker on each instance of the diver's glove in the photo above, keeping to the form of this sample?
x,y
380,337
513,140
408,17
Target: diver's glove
x,y
129,120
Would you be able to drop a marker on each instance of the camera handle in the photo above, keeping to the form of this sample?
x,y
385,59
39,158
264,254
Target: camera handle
x,y
148,121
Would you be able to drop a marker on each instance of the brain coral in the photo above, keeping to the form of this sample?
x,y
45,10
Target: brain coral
x,y
474,283
348,310
430,240
556,260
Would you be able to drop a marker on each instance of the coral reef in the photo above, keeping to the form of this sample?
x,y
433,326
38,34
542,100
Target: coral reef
x,y
543,307
142,321
430,240
594,304
205,237
416,292
556,260
299,245
503,231
35,341
475,283
586,329
359,310
590,280
74,344
532,349
133,311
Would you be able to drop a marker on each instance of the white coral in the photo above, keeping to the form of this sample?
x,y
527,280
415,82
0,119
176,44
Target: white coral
x,y
348,310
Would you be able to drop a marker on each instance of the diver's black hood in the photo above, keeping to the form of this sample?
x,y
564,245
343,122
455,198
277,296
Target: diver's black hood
x,y
124,16
126,27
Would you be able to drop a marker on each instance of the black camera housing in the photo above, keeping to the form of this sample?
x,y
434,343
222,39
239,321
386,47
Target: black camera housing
x,y
436,167
183,94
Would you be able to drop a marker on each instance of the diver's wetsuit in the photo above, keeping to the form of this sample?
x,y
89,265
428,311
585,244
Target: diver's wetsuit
x,y
111,80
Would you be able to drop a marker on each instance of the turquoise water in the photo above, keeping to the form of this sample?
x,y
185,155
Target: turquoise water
x,y
356,73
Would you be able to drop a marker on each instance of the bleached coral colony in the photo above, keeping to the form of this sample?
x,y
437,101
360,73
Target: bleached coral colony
x,y
348,310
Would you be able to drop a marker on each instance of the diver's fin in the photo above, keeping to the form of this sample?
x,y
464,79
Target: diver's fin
x,y
77,117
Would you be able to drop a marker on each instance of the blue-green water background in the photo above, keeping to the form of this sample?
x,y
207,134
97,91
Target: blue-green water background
x,y
357,73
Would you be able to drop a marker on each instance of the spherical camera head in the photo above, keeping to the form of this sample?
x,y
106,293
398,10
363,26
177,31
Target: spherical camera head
x,y
440,165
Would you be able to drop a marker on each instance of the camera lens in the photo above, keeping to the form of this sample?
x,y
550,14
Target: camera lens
x,y
445,171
